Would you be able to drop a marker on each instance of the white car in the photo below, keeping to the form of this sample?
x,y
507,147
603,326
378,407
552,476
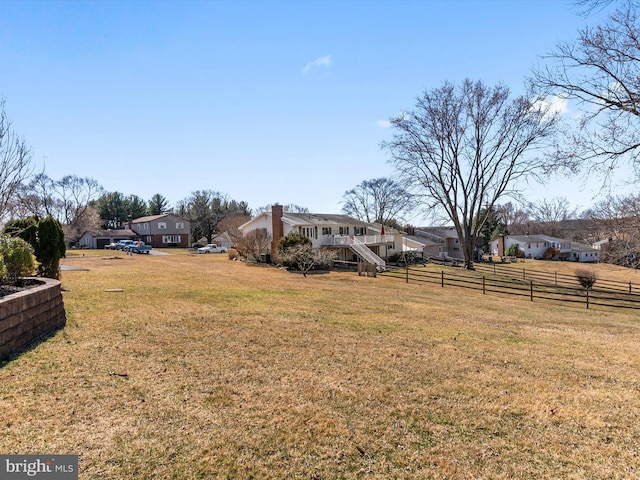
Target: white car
x,y
212,248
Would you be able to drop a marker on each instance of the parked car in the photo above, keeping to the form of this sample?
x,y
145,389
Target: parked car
x,y
138,247
123,244
212,248
110,246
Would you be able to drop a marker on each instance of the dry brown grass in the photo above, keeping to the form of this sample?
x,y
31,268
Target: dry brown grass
x,y
207,368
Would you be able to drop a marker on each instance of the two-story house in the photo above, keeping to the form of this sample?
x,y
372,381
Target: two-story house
x,y
160,231
353,239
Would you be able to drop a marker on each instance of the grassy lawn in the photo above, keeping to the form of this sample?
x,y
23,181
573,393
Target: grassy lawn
x,y
206,368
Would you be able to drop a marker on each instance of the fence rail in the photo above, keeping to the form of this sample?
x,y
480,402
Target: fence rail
x,y
552,278
529,286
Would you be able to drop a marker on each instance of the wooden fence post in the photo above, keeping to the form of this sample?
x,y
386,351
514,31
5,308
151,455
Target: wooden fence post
x,y
442,279
587,299
407,272
531,290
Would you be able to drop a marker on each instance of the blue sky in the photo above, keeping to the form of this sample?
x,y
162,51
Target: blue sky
x,y
265,101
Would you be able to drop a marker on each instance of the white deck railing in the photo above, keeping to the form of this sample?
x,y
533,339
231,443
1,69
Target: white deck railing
x,y
366,239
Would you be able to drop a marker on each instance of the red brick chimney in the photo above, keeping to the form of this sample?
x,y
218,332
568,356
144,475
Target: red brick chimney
x,y
277,229
129,222
501,246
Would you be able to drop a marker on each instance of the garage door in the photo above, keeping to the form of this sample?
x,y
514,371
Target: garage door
x,y
102,242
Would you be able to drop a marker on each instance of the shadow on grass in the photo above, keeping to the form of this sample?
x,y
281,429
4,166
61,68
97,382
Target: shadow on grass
x,y
14,355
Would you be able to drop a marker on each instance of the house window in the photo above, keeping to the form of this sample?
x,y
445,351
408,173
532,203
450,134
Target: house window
x,y
162,225
343,230
171,239
179,225
148,239
359,230
326,230
309,232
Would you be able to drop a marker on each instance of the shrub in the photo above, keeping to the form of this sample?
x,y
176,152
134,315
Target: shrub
x,y
586,277
255,244
3,269
50,247
514,251
46,237
291,242
18,259
304,258
551,253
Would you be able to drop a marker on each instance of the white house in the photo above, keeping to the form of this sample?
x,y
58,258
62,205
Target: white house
x,y
584,253
535,246
353,238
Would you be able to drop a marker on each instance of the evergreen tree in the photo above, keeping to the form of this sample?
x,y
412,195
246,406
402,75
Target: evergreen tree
x,y
50,247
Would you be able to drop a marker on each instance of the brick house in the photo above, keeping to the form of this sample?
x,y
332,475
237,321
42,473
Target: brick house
x,y
161,231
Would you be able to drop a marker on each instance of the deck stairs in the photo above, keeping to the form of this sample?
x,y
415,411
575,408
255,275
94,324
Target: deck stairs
x,y
366,254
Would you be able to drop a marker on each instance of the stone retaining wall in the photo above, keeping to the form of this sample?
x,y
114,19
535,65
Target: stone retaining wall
x,y
27,315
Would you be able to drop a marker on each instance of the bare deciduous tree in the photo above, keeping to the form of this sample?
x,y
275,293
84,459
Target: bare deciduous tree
x,y
516,219
230,226
586,277
600,71
549,213
380,200
289,208
463,147
255,243
618,220
15,162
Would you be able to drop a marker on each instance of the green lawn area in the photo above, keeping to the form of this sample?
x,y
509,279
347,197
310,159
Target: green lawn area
x,y
205,368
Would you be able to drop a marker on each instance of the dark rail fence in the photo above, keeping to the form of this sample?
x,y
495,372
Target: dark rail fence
x,y
535,286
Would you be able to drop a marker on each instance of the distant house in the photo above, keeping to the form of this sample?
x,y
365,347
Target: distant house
x,y
537,247
434,241
166,230
584,253
102,238
222,239
353,239
533,246
160,231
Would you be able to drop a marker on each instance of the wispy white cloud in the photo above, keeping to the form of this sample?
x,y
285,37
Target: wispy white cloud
x,y
553,104
384,123
320,62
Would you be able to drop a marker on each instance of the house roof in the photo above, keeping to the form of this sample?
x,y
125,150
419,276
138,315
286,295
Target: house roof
x,y
528,238
578,247
123,232
149,218
553,239
441,232
254,219
322,219
422,240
